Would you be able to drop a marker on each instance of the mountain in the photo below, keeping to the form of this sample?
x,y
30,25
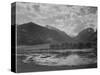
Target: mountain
x,y
87,35
86,39
31,34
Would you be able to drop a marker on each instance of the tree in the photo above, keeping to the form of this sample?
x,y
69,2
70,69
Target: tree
x,y
80,45
88,44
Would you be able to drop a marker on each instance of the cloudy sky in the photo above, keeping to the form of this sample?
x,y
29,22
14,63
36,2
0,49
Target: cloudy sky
x,y
69,18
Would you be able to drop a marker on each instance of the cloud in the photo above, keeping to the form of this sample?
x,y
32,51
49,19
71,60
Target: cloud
x,y
68,18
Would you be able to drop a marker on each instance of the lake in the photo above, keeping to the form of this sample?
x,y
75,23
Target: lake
x,y
32,61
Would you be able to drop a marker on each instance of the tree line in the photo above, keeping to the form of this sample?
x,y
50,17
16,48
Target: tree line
x,y
79,45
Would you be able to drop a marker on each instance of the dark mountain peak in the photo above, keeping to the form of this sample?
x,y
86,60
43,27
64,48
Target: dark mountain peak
x,y
87,30
30,27
86,35
29,24
31,33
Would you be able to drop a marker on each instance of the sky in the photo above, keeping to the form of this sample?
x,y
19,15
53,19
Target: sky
x,y
71,19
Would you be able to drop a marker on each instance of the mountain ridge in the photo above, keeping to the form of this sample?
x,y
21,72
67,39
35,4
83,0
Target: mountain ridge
x,y
36,33
31,34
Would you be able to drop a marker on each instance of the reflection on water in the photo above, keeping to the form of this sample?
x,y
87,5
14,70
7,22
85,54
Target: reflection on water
x,y
54,59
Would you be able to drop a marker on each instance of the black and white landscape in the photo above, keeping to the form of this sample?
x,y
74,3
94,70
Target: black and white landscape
x,y
55,37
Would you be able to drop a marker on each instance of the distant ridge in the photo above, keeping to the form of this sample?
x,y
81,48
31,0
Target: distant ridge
x,y
87,35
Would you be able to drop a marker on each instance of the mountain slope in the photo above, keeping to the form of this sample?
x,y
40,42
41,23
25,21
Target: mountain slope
x,y
87,35
31,33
